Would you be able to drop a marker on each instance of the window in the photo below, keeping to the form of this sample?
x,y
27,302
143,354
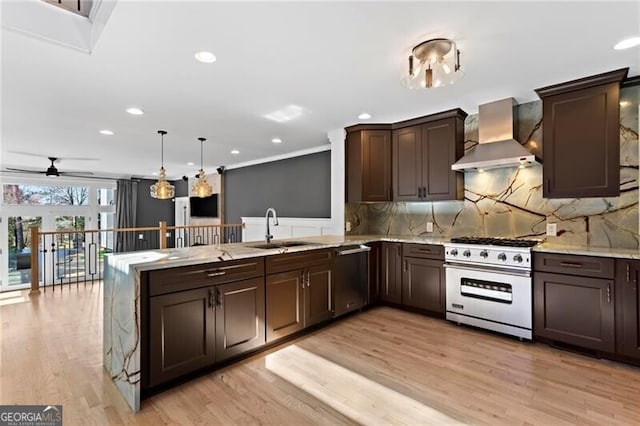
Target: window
x,y
34,195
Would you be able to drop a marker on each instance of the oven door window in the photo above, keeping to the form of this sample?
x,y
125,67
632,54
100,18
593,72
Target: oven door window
x,y
486,290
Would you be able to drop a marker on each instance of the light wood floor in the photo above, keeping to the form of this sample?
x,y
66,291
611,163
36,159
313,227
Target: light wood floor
x,y
383,366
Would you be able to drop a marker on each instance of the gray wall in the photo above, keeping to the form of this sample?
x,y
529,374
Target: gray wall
x,y
150,211
295,187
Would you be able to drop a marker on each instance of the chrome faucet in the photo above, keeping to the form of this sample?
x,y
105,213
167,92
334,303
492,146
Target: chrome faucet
x,y
268,235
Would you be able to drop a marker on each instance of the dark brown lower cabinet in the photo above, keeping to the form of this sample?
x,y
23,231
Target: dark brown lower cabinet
x,y
298,299
285,303
239,317
575,310
628,307
391,272
318,295
182,335
423,284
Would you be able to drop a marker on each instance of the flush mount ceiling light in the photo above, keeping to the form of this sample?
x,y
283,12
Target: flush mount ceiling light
x,y
106,132
433,63
135,111
235,152
364,116
627,43
202,188
276,140
162,190
205,57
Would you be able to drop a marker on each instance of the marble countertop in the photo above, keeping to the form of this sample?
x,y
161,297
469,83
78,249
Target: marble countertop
x,y
170,258
588,250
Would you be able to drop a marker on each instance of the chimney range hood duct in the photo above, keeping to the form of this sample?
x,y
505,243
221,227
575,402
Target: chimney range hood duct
x,y
497,147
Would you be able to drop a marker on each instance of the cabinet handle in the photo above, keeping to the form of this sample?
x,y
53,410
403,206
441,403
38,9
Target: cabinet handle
x,y
211,296
390,194
571,264
211,274
608,293
308,279
398,251
628,273
219,299
548,185
406,265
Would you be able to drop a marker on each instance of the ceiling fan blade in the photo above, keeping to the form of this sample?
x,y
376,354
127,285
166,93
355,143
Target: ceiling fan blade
x,y
30,154
11,169
79,174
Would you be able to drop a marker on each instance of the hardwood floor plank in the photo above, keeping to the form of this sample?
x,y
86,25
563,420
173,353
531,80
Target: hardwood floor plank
x,y
382,366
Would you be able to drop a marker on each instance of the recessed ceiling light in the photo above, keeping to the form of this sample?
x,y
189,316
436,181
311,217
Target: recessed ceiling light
x,y
135,111
627,43
625,103
364,116
205,57
191,163
276,140
106,132
235,152
155,173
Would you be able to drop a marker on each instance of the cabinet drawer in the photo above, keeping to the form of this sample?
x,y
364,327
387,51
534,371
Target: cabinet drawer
x,y
188,277
425,251
292,261
596,267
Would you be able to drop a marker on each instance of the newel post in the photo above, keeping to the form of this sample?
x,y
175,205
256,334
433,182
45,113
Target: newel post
x,y
163,234
35,249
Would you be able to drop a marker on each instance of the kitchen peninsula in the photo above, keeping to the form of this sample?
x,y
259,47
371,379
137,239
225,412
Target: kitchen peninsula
x,y
126,275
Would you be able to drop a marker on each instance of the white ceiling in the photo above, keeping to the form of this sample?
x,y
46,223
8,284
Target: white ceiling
x,y
334,59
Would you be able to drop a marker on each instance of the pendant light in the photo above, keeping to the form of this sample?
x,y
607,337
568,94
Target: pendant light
x,y
202,188
162,190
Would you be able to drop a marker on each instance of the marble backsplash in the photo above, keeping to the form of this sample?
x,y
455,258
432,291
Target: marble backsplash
x,y
509,203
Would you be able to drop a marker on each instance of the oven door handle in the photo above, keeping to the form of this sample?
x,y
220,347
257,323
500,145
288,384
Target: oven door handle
x,y
479,268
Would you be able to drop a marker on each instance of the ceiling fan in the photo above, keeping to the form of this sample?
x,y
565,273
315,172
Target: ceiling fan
x,y
51,171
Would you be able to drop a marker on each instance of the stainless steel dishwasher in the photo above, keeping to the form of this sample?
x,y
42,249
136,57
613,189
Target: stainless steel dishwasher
x,y
351,285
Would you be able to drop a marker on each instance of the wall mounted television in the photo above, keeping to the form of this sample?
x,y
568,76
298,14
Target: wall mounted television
x,y
204,207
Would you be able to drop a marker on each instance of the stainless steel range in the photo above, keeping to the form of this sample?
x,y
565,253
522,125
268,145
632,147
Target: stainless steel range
x,y
489,284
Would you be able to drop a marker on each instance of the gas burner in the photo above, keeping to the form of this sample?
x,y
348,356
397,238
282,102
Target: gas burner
x,y
505,242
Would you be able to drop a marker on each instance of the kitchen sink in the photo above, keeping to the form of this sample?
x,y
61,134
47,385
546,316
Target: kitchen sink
x,y
282,244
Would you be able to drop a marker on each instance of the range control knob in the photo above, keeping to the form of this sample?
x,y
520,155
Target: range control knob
x,y
484,254
502,257
454,252
517,258
466,253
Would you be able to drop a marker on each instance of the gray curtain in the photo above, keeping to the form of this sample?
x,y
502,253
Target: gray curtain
x,y
126,200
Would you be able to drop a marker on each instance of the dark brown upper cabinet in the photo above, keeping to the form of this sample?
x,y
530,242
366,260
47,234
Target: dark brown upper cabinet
x,y
423,151
368,163
581,140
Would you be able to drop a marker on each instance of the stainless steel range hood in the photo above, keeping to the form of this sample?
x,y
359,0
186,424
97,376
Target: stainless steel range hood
x,y
497,147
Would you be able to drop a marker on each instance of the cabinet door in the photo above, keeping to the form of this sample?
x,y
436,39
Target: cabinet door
x,y
575,310
285,304
628,308
376,165
391,273
181,333
318,294
423,284
240,318
582,127
407,164
439,147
